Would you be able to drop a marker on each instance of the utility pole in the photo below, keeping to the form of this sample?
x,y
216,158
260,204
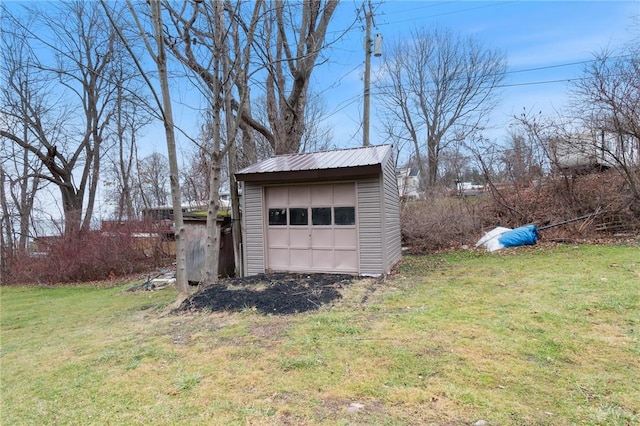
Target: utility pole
x,y
377,51
367,77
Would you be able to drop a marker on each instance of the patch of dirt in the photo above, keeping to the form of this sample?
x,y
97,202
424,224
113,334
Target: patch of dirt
x,y
269,293
274,328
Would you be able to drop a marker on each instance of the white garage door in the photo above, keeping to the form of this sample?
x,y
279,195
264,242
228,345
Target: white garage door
x,y
312,228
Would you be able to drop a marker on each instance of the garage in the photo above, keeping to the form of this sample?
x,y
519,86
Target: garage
x,y
332,212
312,228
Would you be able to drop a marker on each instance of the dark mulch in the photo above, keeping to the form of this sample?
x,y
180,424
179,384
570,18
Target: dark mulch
x,y
269,293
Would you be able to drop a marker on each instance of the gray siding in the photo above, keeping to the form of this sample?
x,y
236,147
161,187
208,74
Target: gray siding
x,y
253,229
391,216
369,226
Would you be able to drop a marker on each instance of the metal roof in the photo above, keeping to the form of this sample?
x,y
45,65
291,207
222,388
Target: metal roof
x,y
318,161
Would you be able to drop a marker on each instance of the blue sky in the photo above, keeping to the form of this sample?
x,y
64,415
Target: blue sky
x,y
546,44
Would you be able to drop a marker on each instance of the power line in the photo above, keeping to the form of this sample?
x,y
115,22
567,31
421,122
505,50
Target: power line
x,y
447,13
567,64
547,67
355,99
345,104
428,6
533,83
568,79
423,7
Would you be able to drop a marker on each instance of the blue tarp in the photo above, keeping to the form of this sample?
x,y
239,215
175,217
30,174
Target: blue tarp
x,y
524,235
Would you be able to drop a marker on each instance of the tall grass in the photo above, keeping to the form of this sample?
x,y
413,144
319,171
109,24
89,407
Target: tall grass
x,y
540,335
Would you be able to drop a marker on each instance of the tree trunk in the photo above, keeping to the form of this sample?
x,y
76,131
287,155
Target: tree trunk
x,y
212,251
93,184
7,228
286,111
236,229
182,283
432,160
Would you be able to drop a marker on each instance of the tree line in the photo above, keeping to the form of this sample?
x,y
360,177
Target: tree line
x,y
83,80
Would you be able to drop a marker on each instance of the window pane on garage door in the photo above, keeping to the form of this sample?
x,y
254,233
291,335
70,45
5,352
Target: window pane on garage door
x,y
277,217
321,216
345,215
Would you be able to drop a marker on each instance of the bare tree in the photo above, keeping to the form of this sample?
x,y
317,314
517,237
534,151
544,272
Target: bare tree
x,y
160,59
78,78
290,51
199,39
151,33
315,136
195,174
20,170
129,118
216,42
435,86
278,43
153,180
6,226
455,164
608,104
523,159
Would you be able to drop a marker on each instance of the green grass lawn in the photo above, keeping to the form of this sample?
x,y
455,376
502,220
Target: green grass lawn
x,y
546,335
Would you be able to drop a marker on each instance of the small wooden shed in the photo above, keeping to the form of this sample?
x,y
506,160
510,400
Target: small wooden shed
x,y
196,240
331,212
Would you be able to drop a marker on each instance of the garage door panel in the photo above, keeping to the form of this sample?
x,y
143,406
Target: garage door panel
x,y
321,195
323,259
299,259
299,196
344,195
299,238
279,258
346,238
277,196
346,260
322,238
278,237
311,234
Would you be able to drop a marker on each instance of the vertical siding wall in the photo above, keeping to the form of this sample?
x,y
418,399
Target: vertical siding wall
x,y
379,222
254,229
391,218
370,230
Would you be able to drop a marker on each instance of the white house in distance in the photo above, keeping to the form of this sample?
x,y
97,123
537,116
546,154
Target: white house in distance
x,y
408,183
331,212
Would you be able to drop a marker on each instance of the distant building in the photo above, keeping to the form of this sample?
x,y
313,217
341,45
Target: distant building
x,y
159,212
408,183
582,153
466,189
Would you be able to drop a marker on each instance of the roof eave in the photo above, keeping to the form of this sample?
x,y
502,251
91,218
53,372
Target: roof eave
x,y
314,175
